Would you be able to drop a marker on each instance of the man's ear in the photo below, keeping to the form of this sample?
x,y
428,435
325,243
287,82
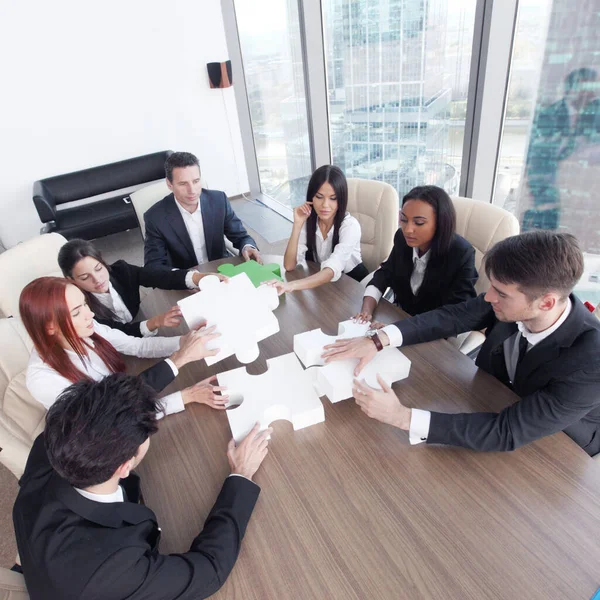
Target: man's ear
x,y
169,184
548,301
123,471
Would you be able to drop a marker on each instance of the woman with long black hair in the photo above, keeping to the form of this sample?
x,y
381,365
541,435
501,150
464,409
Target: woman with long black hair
x,y
324,232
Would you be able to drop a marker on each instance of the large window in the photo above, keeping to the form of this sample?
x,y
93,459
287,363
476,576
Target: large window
x,y
549,164
270,40
397,79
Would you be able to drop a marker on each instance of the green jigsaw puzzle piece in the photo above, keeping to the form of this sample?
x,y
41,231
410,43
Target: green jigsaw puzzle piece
x,y
257,273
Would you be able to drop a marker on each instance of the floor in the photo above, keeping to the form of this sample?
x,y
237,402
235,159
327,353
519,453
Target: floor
x,y
129,246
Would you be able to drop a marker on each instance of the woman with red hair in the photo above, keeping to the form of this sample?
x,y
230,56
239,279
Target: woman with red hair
x,y
70,346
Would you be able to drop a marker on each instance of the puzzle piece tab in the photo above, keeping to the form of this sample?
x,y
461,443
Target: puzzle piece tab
x,y
242,313
334,380
256,272
285,391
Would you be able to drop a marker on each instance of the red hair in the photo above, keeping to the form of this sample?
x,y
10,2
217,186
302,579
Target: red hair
x,y
43,303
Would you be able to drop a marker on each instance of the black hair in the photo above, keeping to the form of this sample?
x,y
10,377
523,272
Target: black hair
x,y
336,178
68,256
583,74
445,216
96,426
538,262
179,160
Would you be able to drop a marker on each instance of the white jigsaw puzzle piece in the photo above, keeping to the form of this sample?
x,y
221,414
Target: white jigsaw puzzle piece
x,y
242,314
335,379
309,345
285,391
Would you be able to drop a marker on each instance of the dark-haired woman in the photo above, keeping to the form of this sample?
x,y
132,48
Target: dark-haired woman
x,y
430,264
324,232
113,291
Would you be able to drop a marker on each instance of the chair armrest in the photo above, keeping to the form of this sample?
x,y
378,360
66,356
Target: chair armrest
x,y
44,203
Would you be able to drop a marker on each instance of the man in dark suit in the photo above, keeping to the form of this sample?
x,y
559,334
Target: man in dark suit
x,y
81,531
541,341
186,228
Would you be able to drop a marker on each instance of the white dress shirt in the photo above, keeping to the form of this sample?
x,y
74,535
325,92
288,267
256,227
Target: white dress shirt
x,y
416,277
45,384
195,228
116,496
421,419
346,254
113,301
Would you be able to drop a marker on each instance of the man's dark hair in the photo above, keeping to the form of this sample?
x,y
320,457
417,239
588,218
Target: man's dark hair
x,y
538,262
445,216
179,160
96,426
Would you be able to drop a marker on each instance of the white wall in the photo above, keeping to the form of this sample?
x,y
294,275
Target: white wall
x,y
84,84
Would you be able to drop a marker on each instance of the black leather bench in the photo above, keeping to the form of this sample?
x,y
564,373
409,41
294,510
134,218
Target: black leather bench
x,y
100,217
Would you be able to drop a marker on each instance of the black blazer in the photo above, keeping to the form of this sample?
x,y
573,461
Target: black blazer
x,y
72,547
448,280
168,243
158,376
126,279
558,380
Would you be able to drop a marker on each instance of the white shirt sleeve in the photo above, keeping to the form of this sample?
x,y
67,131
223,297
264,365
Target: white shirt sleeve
x,y
419,426
394,335
302,247
145,331
189,280
349,241
45,384
150,347
373,292
172,403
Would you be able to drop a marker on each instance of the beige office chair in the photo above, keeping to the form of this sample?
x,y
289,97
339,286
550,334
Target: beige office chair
x,y
21,417
12,586
149,195
25,262
376,206
483,225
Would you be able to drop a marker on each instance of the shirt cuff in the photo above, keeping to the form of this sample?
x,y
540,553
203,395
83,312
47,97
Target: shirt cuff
x,y
238,475
189,280
145,331
334,266
171,404
373,292
394,335
173,366
419,426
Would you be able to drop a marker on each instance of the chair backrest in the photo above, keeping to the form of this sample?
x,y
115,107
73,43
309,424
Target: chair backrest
x,y
376,206
12,586
483,225
25,262
147,196
21,417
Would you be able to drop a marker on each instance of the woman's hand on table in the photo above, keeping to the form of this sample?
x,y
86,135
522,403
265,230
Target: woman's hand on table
x,y
282,287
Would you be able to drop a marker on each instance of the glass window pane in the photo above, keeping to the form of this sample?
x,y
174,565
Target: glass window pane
x,y
269,35
397,79
549,164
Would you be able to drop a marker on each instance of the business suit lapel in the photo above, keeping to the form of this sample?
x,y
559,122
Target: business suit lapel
x,y
125,295
175,220
207,222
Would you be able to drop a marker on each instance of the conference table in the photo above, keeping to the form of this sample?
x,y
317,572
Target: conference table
x,y
350,510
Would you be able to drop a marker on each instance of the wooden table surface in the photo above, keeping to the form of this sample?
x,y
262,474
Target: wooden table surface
x,y
350,510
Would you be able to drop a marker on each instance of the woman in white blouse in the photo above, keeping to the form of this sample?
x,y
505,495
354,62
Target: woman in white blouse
x,y
324,232
69,345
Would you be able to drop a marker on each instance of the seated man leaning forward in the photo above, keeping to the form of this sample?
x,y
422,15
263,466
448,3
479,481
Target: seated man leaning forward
x,y
541,341
186,228
81,532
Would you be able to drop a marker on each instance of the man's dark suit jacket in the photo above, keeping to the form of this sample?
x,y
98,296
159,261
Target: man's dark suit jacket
x,y
558,380
127,279
448,279
168,243
72,547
